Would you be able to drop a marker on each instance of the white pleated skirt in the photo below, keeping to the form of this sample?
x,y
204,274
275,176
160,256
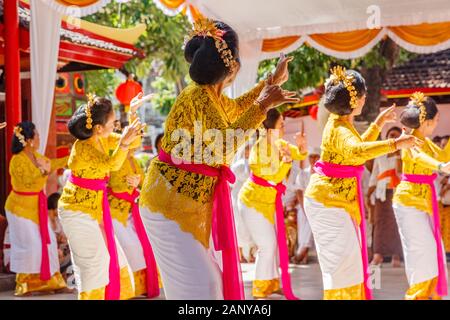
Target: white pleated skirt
x,y
264,236
337,244
89,250
305,237
188,270
418,243
131,246
26,249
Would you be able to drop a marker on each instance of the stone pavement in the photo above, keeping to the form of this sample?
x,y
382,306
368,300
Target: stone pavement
x,y
306,279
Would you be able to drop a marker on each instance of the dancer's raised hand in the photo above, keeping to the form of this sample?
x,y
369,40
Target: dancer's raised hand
x,y
133,180
2,125
139,100
386,116
272,96
445,168
131,132
407,141
300,139
281,74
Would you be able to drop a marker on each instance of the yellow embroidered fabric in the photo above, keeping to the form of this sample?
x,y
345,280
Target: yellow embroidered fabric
x,y
265,163
86,161
183,196
264,288
444,213
120,209
140,282
26,177
351,293
423,161
342,144
31,282
423,291
126,289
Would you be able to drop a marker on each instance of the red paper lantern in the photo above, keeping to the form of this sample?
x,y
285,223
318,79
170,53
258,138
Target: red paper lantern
x,y
313,112
126,91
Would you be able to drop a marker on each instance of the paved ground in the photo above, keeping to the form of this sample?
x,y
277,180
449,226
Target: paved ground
x,y
306,280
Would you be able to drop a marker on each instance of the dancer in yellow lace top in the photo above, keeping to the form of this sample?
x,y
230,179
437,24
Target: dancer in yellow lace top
x,y
270,159
123,195
34,253
331,198
177,204
413,203
83,207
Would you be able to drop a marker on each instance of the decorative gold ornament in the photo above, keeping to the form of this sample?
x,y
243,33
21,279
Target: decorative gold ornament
x,y
207,28
338,74
18,133
89,105
418,99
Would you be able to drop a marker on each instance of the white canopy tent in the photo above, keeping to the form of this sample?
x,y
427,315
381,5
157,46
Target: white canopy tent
x,y
341,28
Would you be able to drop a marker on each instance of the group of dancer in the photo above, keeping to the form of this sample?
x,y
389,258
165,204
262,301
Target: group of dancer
x,y
126,227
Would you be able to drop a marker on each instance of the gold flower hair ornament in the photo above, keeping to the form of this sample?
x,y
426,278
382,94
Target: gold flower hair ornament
x,y
207,28
418,98
90,104
18,133
338,74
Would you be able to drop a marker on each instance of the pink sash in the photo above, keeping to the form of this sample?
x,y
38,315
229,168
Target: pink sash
x,y
333,170
281,235
113,287
43,229
223,230
441,287
152,272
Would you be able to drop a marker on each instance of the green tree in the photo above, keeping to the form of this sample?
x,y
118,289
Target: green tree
x,y
102,82
162,41
310,68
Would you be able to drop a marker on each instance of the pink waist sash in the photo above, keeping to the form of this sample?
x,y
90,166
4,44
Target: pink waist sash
x,y
151,269
112,291
441,287
281,234
333,170
43,230
223,229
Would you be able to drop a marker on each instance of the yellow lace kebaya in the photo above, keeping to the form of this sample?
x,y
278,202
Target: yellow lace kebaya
x,y
120,209
342,144
26,177
183,196
265,163
423,161
86,161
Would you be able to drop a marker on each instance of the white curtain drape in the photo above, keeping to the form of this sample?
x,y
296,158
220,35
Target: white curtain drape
x,y
250,55
44,42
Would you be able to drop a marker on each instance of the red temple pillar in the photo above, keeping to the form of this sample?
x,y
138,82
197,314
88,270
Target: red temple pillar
x,y
12,69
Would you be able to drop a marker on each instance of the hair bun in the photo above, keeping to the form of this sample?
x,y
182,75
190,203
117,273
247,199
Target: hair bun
x,y
192,47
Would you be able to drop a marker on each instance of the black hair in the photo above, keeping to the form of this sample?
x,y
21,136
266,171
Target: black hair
x,y
437,139
158,139
337,97
271,119
410,117
28,131
52,201
100,110
394,129
207,66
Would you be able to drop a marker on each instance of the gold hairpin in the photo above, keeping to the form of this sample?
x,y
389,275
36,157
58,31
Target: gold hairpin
x,y
418,98
89,105
18,133
207,28
338,74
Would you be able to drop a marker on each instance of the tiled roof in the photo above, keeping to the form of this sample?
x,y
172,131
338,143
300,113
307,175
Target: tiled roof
x,y
423,71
